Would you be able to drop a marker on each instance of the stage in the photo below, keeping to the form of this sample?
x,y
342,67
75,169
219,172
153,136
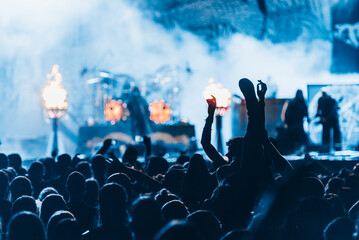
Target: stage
x,y
167,138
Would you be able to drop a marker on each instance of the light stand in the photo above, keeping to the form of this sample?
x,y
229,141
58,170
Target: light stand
x,y
219,133
54,96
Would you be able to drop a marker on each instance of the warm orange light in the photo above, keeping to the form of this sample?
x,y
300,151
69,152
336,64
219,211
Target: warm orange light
x,y
53,94
113,111
222,95
160,112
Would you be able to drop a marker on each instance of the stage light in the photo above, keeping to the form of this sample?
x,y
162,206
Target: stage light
x,y
223,96
160,112
54,99
54,95
113,111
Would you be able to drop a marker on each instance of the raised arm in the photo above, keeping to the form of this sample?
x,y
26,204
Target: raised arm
x,y
208,148
282,165
147,143
105,146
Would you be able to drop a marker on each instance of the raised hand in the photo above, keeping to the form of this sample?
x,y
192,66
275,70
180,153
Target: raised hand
x,y
261,89
107,143
212,103
105,146
147,143
116,163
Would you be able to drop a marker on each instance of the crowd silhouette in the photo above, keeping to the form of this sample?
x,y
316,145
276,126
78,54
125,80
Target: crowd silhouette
x,y
252,192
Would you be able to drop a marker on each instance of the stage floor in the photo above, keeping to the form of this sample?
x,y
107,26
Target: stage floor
x,y
346,155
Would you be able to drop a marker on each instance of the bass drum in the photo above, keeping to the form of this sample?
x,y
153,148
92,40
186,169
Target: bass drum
x,y
116,111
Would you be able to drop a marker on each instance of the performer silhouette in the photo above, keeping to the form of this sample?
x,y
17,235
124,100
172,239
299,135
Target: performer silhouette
x,y
295,112
328,113
140,114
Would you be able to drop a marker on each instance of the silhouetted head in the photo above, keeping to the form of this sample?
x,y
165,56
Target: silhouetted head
x,y
178,230
341,228
334,185
50,167
45,192
336,205
352,181
24,203
182,159
174,209
113,201
206,223
235,146
310,218
99,168
92,192
311,187
25,225
157,165
75,185
68,229
121,179
299,95
57,217
98,164
3,161
173,180
344,172
164,196
135,90
4,185
11,173
51,204
15,161
197,166
20,186
146,218
130,155
84,168
232,207
63,162
36,169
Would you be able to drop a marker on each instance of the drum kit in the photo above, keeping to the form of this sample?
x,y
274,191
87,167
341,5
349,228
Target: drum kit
x,y
106,92
110,95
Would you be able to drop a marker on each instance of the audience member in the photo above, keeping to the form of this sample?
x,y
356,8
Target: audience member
x,y
113,214
24,203
84,213
57,217
146,218
92,192
26,225
20,186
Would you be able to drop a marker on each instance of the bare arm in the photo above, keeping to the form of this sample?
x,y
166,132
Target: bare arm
x,y
106,145
208,148
147,143
282,165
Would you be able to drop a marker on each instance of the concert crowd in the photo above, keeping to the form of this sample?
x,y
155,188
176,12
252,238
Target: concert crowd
x,y
252,192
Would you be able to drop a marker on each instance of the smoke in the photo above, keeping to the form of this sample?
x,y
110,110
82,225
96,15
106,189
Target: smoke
x,y
115,36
